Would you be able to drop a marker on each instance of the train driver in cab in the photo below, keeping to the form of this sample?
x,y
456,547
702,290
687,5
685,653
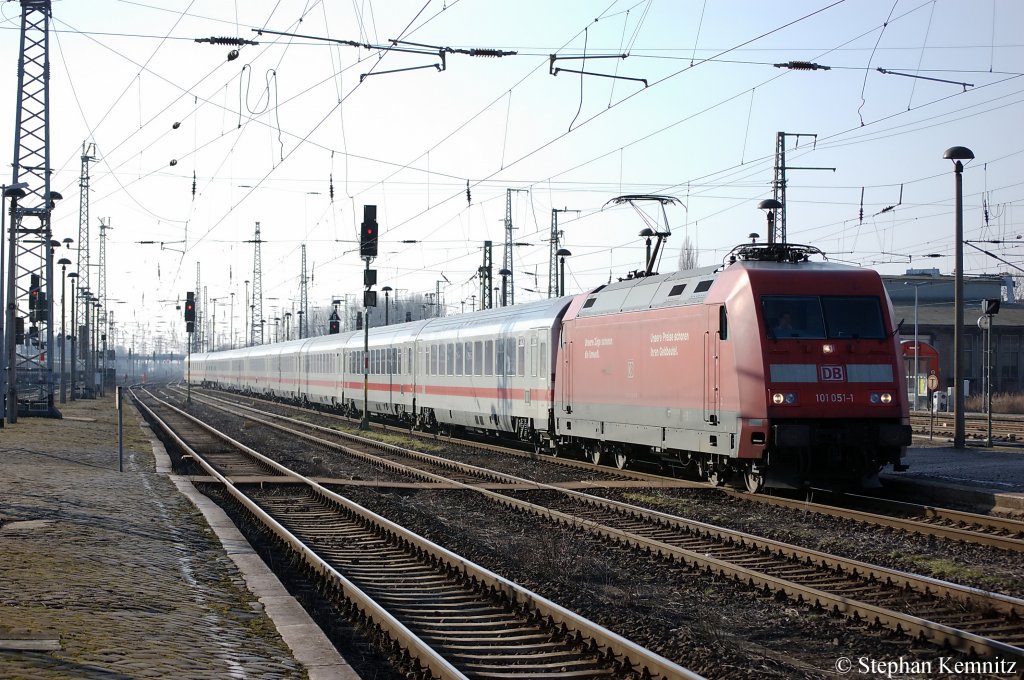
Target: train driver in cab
x,y
784,327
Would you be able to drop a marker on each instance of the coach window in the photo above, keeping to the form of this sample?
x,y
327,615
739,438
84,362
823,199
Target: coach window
x,y
468,358
499,350
450,350
510,356
433,360
442,355
533,356
521,353
488,357
478,357
458,358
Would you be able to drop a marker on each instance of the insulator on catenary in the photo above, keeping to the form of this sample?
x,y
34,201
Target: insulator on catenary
x,y
176,125
174,161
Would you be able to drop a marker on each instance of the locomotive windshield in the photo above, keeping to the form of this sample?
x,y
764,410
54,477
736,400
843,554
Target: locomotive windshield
x,y
824,316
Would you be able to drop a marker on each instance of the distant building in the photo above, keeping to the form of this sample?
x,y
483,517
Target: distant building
x,y
934,313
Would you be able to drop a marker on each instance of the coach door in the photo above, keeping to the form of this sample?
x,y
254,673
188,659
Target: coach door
x,y
567,376
712,363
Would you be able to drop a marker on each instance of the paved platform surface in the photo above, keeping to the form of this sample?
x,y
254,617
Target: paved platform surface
x,y
107,574
987,478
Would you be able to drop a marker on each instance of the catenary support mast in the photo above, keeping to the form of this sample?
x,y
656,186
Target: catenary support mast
x,y
30,262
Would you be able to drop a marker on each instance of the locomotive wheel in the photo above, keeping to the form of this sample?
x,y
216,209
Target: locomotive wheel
x,y
620,459
593,454
754,481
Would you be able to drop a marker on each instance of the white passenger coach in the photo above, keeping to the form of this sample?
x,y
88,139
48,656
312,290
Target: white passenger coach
x,y
491,370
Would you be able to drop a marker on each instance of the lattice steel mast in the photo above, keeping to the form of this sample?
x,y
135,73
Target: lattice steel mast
x,y
256,332
101,319
30,261
303,297
554,242
197,336
84,345
508,278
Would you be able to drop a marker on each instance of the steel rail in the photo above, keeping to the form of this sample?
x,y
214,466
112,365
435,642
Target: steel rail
x,y
906,524
627,652
614,473
903,523
936,633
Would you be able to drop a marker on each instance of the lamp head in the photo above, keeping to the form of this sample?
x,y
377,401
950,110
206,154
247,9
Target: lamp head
x,y
564,252
958,153
769,204
64,262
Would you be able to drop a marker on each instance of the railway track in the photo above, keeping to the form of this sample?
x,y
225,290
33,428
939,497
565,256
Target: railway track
x,y
452,618
1007,429
954,525
942,613
999,532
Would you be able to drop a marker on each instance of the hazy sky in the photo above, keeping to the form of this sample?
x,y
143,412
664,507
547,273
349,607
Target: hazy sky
x,y
270,134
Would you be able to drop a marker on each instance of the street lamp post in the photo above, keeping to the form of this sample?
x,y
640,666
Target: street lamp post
x,y
231,323
63,262
564,253
74,332
247,327
959,154
387,293
288,326
504,273
13,192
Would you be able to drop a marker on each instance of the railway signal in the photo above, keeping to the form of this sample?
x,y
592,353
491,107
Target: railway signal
x,y
190,312
368,233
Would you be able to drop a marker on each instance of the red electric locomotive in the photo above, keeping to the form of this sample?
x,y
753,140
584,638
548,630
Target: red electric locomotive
x,y
771,370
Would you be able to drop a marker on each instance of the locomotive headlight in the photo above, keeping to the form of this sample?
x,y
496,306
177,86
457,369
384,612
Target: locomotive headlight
x,y
881,398
787,398
828,348
778,398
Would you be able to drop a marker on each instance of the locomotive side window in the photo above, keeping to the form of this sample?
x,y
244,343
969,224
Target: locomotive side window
x,y
723,323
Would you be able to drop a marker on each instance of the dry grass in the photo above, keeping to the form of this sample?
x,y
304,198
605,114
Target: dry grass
x,y
87,424
1001,403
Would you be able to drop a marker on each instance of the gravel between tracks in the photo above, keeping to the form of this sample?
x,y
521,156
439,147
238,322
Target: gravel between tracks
x,y
704,623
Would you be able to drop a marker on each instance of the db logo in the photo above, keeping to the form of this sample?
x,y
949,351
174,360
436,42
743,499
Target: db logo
x,y
832,374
